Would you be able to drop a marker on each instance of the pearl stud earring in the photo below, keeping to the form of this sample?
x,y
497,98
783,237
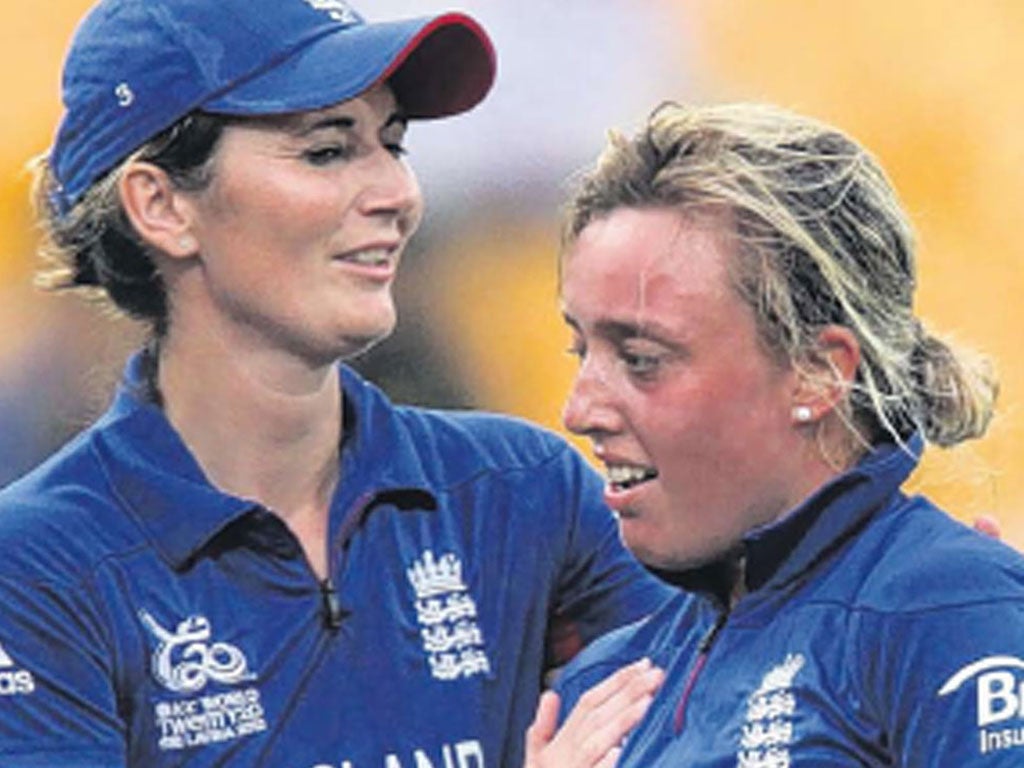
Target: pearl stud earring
x,y
802,413
187,243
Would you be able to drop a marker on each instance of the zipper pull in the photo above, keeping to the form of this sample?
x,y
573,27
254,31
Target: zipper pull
x,y
709,639
332,611
703,647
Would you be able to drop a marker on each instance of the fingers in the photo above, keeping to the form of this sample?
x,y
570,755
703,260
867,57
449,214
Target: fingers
x,y
542,729
607,713
611,758
628,683
592,734
988,525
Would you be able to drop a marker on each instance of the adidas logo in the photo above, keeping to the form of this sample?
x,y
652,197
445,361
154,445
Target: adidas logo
x,y
14,681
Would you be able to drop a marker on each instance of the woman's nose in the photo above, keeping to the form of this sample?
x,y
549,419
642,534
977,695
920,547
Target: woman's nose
x,y
590,407
392,191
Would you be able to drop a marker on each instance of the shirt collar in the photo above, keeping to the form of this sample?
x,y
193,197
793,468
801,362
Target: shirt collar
x,y
781,551
159,481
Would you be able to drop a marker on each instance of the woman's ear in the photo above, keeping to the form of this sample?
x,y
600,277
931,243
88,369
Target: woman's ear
x,y
157,209
826,376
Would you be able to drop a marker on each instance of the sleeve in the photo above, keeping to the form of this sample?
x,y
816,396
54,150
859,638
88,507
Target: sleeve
x,y
58,704
601,586
949,684
601,659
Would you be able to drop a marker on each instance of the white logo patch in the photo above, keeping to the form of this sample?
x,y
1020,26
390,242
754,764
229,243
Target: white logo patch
x,y
768,726
184,662
339,10
999,693
447,615
14,682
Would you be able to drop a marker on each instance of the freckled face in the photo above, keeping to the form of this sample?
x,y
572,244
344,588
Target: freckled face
x,y
302,227
688,413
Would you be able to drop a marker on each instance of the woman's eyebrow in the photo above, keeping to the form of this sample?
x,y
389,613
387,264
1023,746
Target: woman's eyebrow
x,y
341,123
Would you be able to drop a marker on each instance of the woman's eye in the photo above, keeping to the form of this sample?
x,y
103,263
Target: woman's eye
x,y
326,155
392,138
641,365
575,351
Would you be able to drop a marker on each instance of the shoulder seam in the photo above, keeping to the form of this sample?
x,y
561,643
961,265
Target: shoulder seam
x,y
508,469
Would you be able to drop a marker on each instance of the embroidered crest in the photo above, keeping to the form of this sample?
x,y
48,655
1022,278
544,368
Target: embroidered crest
x,y
768,726
447,615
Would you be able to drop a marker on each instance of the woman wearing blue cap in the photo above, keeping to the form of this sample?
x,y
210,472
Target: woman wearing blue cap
x,y
253,558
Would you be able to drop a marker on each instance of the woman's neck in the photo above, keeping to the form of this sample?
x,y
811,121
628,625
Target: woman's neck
x,y
262,428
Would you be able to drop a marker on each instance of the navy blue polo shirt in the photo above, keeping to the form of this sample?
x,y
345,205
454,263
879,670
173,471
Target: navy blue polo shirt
x,y
875,631
148,619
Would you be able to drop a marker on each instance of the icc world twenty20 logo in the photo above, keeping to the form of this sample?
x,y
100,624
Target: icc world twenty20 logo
x,y
184,660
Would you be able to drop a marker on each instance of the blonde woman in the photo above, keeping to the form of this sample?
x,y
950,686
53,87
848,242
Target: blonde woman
x,y
738,281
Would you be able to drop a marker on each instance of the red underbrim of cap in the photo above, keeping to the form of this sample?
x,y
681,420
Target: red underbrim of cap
x,y
437,67
422,75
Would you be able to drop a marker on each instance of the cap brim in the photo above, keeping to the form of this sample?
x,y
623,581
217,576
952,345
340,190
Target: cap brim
x,y
437,66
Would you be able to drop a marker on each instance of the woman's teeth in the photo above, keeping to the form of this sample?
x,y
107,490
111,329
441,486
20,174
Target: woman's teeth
x,y
622,476
372,256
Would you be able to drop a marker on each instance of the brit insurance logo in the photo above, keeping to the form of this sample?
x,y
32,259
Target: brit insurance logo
x,y
768,727
13,680
447,615
998,685
185,661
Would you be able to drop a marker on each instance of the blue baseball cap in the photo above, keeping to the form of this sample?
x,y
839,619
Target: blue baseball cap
x,y
136,67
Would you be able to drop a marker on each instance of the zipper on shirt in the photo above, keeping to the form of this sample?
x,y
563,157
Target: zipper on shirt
x,y
703,649
332,610
330,604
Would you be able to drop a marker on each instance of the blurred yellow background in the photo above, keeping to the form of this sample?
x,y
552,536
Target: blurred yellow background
x,y
931,87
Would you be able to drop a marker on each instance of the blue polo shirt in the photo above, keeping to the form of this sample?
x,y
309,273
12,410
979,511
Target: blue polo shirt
x,y
147,619
876,631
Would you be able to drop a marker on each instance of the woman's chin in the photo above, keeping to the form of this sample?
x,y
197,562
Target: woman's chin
x,y
373,328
